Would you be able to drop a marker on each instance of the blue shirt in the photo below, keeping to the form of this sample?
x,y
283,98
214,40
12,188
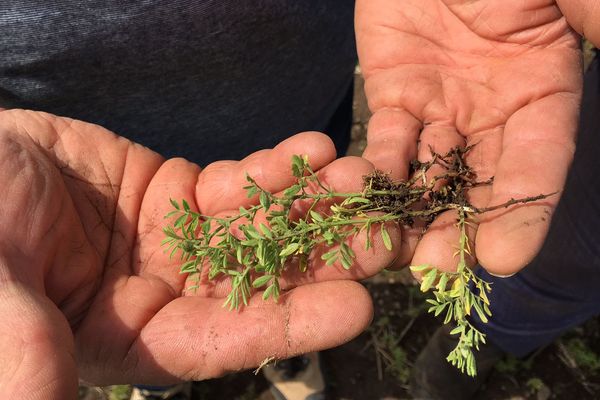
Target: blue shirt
x,y
202,79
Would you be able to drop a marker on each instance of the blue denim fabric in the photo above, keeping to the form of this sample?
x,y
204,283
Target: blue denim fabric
x,y
561,287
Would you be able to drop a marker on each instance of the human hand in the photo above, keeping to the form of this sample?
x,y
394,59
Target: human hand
x,y
582,16
505,76
87,287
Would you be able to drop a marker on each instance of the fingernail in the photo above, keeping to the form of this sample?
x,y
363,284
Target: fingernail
x,y
501,276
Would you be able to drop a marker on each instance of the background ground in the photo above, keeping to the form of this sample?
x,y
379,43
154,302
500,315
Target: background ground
x,y
376,364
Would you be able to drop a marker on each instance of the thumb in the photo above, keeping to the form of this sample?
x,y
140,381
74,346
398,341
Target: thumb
x,y
36,351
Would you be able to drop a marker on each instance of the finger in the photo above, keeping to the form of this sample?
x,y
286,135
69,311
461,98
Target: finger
x,y
345,175
538,147
392,144
175,179
438,244
195,338
392,141
410,237
220,185
36,351
582,16
140,165
439,139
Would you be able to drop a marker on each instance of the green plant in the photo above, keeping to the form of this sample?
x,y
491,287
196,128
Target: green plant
x,y
119,392
511,365
583,355
456,294
535,385
388,350
255,255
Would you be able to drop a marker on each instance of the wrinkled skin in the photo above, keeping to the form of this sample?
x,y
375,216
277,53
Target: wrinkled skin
x,y
87,289
504,75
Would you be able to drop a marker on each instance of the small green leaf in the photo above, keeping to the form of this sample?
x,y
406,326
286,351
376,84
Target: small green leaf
x,y
457,288
428,280
386,238
303,264
439,309
346,263
329,237
480,312
332,259
483,296
441,285
252,190
289,250
353,200
172,213
206,227
174,204
265,231
179,222
419,268
316,216
291,191
265,200
449,315
329,254
261,281
186,206
297,166
188,266
368,242
250,232
267,293
239,254
457,330
347,250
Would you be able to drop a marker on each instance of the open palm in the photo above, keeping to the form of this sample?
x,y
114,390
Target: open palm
x,y
503,75
87,288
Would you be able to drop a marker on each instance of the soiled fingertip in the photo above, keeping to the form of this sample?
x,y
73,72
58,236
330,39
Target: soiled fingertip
x,y
392,141
343,310
213,185
437,247
507,243
316,145
346,174
506,259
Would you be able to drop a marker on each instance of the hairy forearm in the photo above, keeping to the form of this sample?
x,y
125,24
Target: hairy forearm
x,y
584,17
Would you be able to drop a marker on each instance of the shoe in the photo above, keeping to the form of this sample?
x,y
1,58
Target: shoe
x,y
434,378
183,391
299,378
